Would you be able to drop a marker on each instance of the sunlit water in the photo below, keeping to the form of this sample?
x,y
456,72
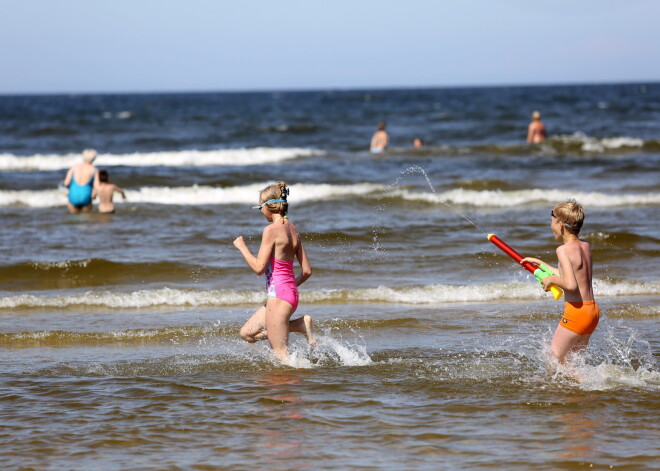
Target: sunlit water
x,y
119,334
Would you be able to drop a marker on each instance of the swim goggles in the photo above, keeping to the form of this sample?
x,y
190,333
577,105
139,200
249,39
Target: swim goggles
x,y
266,202
574,229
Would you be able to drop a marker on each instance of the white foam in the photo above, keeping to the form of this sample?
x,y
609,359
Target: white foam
x,y
136,299
430,294
345,355
506,199
182,158
606,377
195,195
596,145
301,193
247,194
625,288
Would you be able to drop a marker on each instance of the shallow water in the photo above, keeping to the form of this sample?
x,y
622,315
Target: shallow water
x,y
119,334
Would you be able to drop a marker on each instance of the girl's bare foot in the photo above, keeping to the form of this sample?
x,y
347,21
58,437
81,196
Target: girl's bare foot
x,y
263,335
309,331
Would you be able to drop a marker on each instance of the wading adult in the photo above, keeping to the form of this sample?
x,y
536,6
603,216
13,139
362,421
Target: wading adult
x,y
81,180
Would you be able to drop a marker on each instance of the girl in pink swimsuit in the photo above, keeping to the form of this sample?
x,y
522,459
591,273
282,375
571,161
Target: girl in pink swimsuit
x,y
280,245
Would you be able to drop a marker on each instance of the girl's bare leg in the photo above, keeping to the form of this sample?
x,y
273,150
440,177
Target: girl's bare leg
x,y
278,313
255,328
304,325
565,340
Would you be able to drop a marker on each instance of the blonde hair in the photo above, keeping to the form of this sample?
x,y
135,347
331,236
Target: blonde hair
x,y
89,155
571,214
278,191
536,115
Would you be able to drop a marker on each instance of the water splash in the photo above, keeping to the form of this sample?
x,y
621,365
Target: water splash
x,y
377,248
416,169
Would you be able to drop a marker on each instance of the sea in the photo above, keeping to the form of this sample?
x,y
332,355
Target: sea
x,y
119,345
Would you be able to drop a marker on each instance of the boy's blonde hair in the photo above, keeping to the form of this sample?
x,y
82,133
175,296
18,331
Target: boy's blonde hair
x,y
571,214
279,191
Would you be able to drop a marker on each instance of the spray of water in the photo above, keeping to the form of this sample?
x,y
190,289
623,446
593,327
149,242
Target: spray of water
x,y
376,248
416,169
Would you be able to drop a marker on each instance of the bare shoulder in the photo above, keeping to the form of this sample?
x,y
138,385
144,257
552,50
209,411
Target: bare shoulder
x,y
576,251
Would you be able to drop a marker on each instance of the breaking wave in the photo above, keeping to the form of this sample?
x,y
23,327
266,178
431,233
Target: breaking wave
x,y
429,294
309,192
182,158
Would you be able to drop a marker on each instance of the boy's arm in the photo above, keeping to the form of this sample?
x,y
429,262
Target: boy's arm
x,y
565,278
120,191
538,262
529,134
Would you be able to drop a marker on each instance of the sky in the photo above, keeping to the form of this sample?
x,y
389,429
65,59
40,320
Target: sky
x,y
88,46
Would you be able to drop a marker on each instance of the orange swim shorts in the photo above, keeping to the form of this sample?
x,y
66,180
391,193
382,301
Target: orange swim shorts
x,y
581,318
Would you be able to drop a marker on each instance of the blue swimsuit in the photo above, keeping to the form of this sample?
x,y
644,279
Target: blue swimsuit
x,y
80,195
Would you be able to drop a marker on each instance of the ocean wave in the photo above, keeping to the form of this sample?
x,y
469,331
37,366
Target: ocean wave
x,y
131,336
576,144
590,144
96,272
307,192
196,195
429,294
182,158
178,334
507,199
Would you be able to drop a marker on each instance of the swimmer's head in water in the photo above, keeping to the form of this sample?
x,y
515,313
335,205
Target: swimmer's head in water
x,y
536,115
89,155
279,192
570,213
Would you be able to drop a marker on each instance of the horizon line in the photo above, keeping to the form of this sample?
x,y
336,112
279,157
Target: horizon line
x,y
327,89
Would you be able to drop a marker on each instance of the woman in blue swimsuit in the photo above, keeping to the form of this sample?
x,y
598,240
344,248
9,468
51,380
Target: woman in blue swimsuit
x,y
81,180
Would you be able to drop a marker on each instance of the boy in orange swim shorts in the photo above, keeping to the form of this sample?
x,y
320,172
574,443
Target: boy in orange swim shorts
x,y
574,276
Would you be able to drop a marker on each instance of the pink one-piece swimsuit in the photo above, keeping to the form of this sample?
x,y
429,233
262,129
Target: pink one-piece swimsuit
x,y
281,281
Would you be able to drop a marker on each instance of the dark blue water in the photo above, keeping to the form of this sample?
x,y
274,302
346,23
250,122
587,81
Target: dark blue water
x,y
330,120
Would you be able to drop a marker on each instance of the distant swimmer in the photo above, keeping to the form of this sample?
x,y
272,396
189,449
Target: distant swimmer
x,y
536,130
280,244
105,191
380,140
81,180
574,276
418,143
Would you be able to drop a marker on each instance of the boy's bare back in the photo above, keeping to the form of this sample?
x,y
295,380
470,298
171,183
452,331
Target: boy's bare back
x,y
105,192
576,268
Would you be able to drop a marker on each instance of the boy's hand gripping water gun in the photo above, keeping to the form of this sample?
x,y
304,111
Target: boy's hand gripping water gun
x,y
541,272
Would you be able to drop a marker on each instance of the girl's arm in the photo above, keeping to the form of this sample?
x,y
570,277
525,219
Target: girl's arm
x,y
260,262
301,255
